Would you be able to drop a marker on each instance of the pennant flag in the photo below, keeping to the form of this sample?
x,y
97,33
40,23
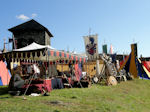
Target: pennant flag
x,y
111,49
52,53
105,49
49,53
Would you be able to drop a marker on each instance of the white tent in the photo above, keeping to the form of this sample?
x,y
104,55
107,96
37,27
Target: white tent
x,y
37,52
34,46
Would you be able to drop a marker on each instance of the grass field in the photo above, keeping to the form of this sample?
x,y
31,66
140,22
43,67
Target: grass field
x,y
130,96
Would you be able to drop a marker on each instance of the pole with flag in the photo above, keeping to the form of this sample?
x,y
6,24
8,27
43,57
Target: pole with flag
x,y
111,49
91,48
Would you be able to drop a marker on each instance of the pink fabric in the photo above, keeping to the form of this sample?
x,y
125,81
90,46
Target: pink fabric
x,y
80,59
70,81
78,72
76,58
4,74
71,57
111,49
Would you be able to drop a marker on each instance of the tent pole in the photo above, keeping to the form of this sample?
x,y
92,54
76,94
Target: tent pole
x,y
97,67
61,67
48,65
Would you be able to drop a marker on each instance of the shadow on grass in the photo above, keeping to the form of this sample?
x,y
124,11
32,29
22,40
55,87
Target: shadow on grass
x,y
3,90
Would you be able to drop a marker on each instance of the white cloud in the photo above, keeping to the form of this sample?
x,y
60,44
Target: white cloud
x,y
33,15
22,17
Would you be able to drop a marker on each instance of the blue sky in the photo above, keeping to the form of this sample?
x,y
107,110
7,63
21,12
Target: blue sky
x,y
117,22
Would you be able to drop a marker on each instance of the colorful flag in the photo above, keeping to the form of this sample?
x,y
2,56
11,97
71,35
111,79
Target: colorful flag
x,y
105,49
91,46
111,49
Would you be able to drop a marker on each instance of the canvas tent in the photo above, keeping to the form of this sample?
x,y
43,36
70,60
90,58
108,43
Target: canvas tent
x,y
33,46
143,69
5,74
130,64
36,52
135,66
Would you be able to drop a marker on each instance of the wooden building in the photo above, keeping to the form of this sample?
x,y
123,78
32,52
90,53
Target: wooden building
x,y
28,32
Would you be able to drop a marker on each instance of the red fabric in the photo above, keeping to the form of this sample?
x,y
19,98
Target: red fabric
x,y
46,85
45,63
52,53
80,59
121,62
70,81
78,72
84,60
147,65
51,62
67,55
72,57
76,58
62,54
57,53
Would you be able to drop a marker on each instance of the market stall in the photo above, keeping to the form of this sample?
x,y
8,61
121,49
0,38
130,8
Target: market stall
x,y
49,59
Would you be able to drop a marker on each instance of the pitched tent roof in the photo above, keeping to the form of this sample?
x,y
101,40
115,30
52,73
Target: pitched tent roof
x,y
135,66
36,52
30,25
33,46
130,63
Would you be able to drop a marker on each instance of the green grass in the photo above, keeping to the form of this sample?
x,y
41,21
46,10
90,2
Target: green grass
x,y
130,96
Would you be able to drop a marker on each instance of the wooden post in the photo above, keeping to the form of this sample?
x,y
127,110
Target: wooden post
x,y
97,68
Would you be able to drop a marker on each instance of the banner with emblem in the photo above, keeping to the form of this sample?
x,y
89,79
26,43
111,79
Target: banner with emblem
x,y
91,46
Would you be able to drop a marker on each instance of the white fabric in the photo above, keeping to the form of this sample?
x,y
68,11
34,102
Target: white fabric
x,y
36,69
34,94
33,46
83,74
